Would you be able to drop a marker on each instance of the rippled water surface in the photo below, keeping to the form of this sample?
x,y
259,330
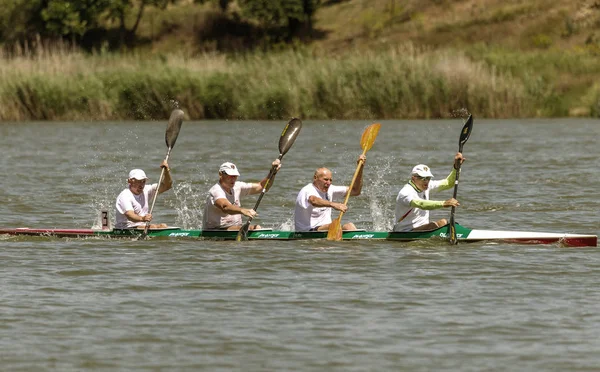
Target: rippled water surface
x,y
175,305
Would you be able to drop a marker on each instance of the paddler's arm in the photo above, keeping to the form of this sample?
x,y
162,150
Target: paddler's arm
x,y
319,203
133,217
448,183
225,206
167,181
258,187
357,187
433,204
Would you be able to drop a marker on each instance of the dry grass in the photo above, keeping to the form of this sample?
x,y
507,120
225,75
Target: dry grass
x,y
449,23
403,82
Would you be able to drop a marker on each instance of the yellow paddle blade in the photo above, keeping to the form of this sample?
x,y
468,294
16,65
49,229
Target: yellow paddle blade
x,y
335,229
368,137
366,142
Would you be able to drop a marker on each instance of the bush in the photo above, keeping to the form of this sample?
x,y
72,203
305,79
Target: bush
x,y
218,96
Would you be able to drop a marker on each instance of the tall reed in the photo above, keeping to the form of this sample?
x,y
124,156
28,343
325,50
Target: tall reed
x,y
403,82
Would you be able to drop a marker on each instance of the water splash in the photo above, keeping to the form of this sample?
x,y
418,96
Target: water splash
x,y
189,204
287,225
460,113
379,194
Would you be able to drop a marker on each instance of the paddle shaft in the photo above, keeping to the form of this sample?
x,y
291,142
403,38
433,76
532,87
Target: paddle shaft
x,y
264,190
286,140
356,172
465,134
452,228
160,179
457,165
366,141
171,134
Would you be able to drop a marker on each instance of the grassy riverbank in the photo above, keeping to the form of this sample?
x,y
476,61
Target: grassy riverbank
x,y
363,72
399,83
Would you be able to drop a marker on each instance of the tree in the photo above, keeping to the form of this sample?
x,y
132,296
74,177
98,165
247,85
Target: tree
x,y
21,19
72,18
293,16
119,10
223,4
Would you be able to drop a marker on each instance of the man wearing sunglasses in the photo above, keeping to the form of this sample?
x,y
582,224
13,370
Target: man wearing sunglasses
x,y
413,204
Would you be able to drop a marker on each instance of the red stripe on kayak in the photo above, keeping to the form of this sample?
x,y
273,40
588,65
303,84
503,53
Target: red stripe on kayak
x,y
28,231
585,241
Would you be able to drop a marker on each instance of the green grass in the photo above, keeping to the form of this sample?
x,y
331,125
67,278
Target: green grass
x,y
400,83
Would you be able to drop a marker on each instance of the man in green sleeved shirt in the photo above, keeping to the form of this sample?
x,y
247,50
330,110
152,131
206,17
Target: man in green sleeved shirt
x,y
413,204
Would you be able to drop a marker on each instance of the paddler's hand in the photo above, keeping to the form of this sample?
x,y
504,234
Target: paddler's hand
x,y
165,165
146,218
277,164
458,158
363,158
249,212
340,207
451,203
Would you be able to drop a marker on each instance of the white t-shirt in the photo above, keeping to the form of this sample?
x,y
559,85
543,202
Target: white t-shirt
x,y
215,218
306,216
412,217
139,204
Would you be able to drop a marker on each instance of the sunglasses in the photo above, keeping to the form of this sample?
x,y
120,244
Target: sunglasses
x,y
424,178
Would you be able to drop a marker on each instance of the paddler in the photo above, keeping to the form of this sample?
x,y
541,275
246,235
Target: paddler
x,y
133,203
315,200
223,209
413,204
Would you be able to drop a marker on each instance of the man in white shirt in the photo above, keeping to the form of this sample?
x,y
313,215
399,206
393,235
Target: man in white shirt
x,y
223,209
413,204
133,203
315,200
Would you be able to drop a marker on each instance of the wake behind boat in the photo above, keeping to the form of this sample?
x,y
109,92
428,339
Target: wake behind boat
x,y
463,234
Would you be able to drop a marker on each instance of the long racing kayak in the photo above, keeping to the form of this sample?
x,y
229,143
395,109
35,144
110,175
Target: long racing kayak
x,y
464,235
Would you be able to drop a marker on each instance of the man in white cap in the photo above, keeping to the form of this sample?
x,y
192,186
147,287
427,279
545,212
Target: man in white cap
x,y
223,209
413,204
133,203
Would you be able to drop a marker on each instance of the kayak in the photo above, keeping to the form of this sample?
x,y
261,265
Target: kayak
x,y
463,234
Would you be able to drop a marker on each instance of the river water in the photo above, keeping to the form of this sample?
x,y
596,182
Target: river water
x,y
191,305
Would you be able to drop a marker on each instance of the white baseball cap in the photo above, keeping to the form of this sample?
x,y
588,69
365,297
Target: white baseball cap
x,y
229,168
421,170
138,174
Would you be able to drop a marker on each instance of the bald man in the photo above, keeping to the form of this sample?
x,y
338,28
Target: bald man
x,y
315,200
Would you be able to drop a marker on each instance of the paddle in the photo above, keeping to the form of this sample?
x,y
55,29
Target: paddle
x,y
366,142
288,136
171,134
464,136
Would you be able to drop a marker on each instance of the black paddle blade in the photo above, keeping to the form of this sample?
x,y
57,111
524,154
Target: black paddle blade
x,y
466,132
289,134
243,232
173,127
143,235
